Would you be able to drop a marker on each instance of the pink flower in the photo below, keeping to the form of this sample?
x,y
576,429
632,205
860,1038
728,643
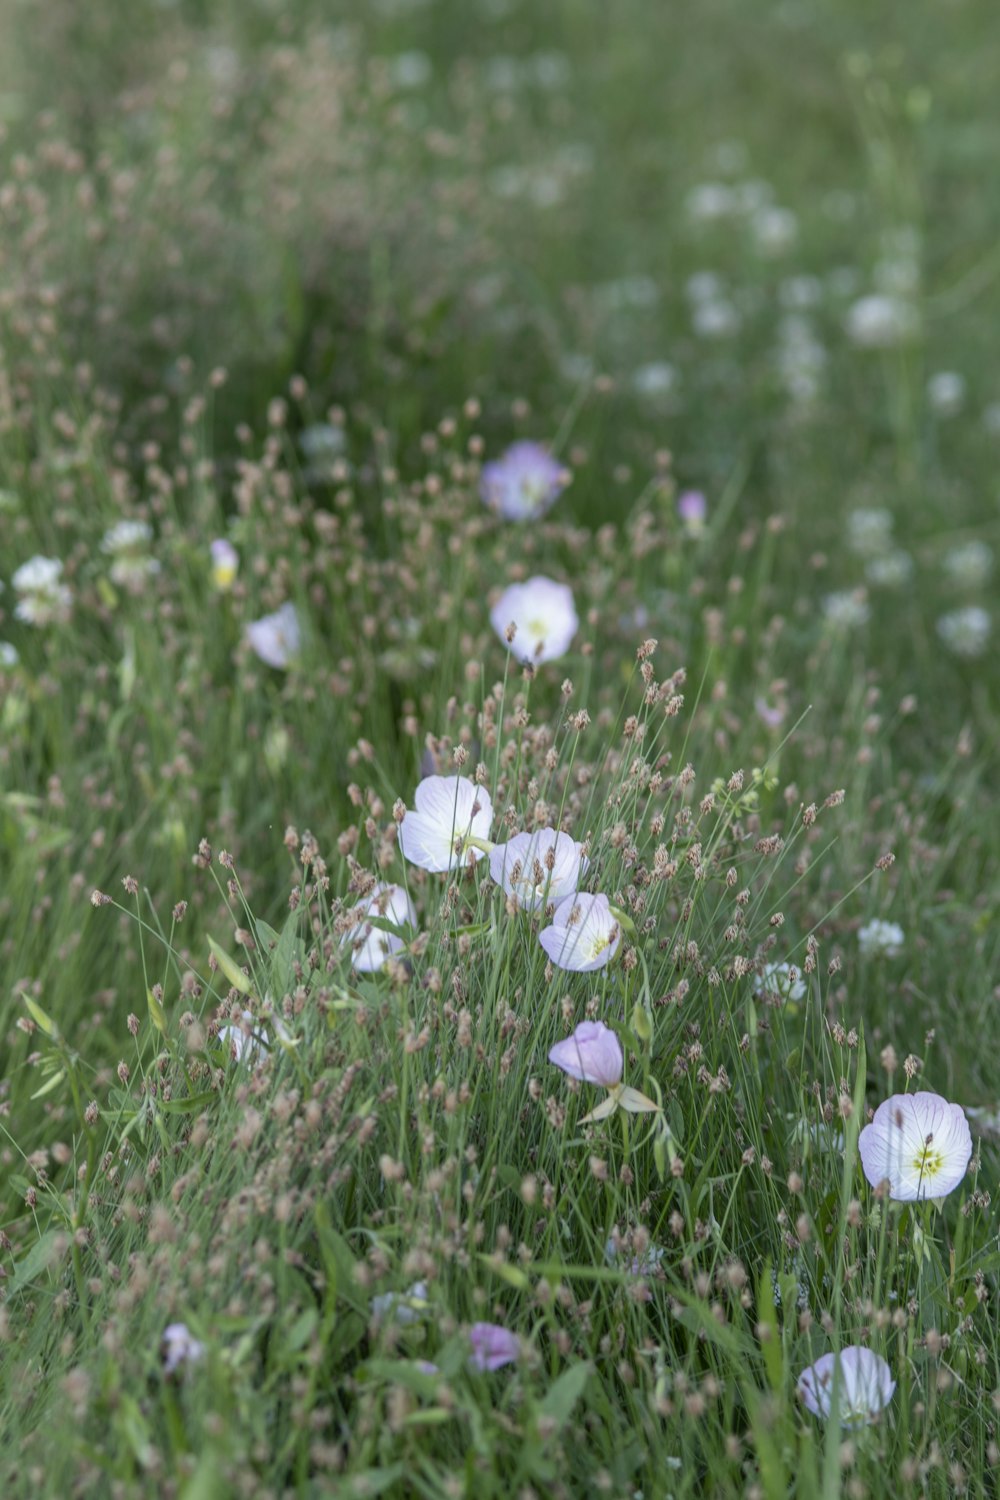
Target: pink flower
x,y
450,810
593,1054
584,934
918,1143
492,1346
277,638
692,508
523,484
864,1387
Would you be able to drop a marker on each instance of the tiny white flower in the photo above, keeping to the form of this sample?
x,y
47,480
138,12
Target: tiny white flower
x,y
881,321
8,655
410,70
782,980
864,1386
538,868
406,1308
869,530
322,442
965,632
543,616
127,536
918,1143
371,946
774,229
946,392
584,935
127,544
524,483
241,1041
450,810
970,564
710,201
655,380
42,596
890,570
179,1347
716,319
277,638
878,937
846,609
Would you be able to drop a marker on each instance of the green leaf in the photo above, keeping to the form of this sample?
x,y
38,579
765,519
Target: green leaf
x,y
230,968
563,1395
156,1015
40,1017
53,1083
37,1260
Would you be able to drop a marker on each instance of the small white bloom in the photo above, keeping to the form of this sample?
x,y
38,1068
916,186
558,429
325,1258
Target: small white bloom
x,y
881,321
799,293
127,536
946,392
878,937
277,638
42,596
654,380
965,632
371,946
410,70
241,1041
869,530
8,655
584,935
864,1386
970,565
524,483
407,1308
710,201
781,980
704,286
918,1143
449,810
543,616
179,1347
322,442
774,229
891,570
718,319
538,868
846,609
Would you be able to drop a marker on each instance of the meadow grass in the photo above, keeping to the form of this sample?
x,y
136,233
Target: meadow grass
x,y
271,1155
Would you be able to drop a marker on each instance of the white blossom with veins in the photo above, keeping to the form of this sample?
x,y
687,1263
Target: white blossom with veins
x,y
543,617
918,1143
277,638
864,1386
371,946
538,867
584,935
450,810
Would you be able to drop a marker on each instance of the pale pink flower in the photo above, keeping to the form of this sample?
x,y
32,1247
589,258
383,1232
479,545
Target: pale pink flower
x,y
543,618
492,1346
524,483
584,935
692,508
918,1143
277,638
538,867
864,1388
225,564
450,810
179,1347
593,1054
371,946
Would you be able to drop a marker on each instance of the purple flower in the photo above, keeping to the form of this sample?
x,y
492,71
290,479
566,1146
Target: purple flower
x,y
492,1346
523,484
584,934
692,508
593,1054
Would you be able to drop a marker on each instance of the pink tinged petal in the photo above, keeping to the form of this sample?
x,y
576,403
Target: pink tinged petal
x,y
593,1054
584,936
865,1386
492,1346
919,1143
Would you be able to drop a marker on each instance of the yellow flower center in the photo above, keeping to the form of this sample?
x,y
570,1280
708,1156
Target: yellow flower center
x,y
929,1161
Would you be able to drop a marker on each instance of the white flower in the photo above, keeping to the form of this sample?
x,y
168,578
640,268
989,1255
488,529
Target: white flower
x,y
965,632
538,868
781,980
371,946
846,609
869,530
406,1309
241,1041
543,616
889,570
878,937
654,380
410,70
881,322
717,319
864,1386
774,229
918,1143
179,1347
43,598
449,811
127,536
709,201
584,935
946,392
970,564
8,655
322,441
524,483
277,638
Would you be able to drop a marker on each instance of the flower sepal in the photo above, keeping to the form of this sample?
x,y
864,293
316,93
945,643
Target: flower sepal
x,y
621,1097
